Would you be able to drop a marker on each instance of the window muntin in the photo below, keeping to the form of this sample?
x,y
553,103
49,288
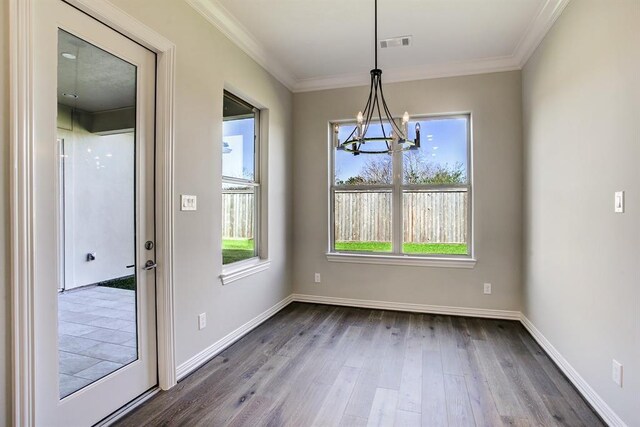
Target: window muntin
x,y
426,193
240,180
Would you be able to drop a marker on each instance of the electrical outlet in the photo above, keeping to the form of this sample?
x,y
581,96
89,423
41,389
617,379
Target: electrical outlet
x,y
202,321
316,277
487,288
616,372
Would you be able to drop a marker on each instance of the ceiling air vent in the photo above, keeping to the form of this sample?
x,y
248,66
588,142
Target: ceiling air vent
x,y
395,42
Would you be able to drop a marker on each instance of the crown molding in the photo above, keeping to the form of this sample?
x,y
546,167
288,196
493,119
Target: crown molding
x,y
222,19
538,29
393,75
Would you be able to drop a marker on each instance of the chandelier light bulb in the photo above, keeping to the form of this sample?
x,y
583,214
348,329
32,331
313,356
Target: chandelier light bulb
x,y
360,118
405,117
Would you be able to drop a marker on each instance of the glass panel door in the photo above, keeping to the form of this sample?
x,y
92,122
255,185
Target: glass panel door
x,y
96,130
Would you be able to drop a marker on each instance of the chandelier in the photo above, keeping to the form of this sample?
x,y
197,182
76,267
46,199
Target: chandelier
x,y
395,137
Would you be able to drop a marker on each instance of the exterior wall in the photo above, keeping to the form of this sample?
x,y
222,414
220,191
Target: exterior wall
x,y
494,101
98,205
581,98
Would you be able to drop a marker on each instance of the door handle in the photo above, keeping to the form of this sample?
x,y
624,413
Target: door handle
x,y
149,265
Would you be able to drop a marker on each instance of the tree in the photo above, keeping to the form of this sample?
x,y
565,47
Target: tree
x,y
377,169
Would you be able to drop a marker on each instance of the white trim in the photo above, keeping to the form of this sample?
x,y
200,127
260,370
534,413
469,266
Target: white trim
x,y
214,349
410,307
244,269
233,29
228,25
120,413
419,72
21,188
165,50
600,406
538,29
401,260
21,134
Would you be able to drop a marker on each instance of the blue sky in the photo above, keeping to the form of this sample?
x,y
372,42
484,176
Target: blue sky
x,y
239,135
442,141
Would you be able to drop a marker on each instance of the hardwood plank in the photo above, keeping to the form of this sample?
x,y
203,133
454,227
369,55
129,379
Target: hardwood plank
x,y
459,412
362,397
383,409
316,364
332,408
434,402
410,395
351,421
407,419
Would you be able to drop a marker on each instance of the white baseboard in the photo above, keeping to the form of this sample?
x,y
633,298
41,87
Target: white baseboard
x,y
210,352
590,395
415,308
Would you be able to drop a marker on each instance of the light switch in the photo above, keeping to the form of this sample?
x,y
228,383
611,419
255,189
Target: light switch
x,y
619,202
188,203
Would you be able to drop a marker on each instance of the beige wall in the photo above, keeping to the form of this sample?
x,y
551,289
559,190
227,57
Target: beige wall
x,y
5,314
494,101
206,62
582,137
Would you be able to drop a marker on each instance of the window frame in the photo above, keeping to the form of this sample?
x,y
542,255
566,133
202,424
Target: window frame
x,y
397,188
258,262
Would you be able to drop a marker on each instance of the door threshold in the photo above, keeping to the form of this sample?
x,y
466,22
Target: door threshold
x,y
120,413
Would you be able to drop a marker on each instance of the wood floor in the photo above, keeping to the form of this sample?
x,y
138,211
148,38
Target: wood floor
x,y
337,366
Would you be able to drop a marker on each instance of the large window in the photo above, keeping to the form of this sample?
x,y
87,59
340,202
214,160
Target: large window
x,y
240,180
414,202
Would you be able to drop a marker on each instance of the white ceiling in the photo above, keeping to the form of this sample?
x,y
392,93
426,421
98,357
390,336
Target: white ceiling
x,y
101,80
317,44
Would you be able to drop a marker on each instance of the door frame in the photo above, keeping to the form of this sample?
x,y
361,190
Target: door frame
x,y
21,121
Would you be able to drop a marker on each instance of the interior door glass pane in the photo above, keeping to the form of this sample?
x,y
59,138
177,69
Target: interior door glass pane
x,y
97,331
362,221
443,153
435,222
238,223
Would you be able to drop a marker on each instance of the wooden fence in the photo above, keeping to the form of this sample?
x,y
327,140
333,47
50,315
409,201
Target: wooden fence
x,y
237,215
366,217
428,217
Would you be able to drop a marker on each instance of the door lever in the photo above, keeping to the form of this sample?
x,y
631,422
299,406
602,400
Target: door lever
x,y
149,265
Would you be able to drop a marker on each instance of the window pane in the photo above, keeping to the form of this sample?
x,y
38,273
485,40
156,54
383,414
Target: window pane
x,y
363,221
435,222
363,168
238,225
238,140
442,156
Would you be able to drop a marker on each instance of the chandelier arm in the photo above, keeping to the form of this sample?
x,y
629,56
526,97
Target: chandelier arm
x,y
384,134
369,112
369,99
389,115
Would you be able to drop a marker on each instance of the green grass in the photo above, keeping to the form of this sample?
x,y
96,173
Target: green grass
x,y
407,248
127,282
236,250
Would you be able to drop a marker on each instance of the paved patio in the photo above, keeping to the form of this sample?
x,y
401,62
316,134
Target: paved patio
x,y
96,334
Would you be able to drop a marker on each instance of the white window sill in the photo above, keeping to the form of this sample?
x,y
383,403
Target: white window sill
x,y
243,269
415,261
